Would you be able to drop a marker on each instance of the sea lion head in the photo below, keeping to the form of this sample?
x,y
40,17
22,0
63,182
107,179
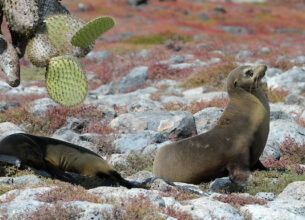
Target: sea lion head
x,y
246,77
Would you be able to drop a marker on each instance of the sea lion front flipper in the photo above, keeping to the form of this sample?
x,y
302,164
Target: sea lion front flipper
x,y
59,174
259,166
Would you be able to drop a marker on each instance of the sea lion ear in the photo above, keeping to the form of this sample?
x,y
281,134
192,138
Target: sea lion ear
x,y
235,84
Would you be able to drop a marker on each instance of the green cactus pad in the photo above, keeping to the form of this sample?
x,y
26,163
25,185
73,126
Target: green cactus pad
x,y
91,31
65,81
60,29
40,50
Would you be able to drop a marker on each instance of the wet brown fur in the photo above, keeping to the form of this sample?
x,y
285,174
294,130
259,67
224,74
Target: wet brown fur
x,y
233,146
56,156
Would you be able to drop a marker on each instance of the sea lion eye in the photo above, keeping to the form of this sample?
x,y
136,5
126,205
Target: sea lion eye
x,y
249,73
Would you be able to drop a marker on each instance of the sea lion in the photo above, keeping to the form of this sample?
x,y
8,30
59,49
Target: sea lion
x,y
56,156
233,146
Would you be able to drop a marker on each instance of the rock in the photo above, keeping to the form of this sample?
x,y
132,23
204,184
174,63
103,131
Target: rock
x,y
21,90
271,72
108,111
27,180
287,31
129,143
136,2
39,107
4,87
118,160
203,16
236,30
9,127
279,130
6,105
206,119
154,147
145,105
265,50
292,80
296,207
176,59
257,212
82,7
75,124
277,113
292,110
208,208
173,91
295,190
135,79
161,184
176,124
295,99
142,54
90,210
141,176
303,116
243,54
197,95
191,188
300,60
265,195
180,66
67,135
121,100
98,55
172,100
166,82
220,184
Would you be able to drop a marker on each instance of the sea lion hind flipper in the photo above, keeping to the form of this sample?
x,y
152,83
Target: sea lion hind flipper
x,y
116,177
59,174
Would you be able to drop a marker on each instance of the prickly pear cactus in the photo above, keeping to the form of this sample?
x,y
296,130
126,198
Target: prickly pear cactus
x,y
65,81
86,35
52,38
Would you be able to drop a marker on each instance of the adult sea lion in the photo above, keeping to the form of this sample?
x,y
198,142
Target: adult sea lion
x,y
56,156
233,146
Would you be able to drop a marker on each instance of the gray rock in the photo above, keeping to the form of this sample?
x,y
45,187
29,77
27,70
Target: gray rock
x,y
145,105
300,60
75,124
265,195
236,29
166,82
105,89
98,55
118,160
303,116
121,100
279,130
265,50
90,210
181,66
176,59
154,147
295,99
296,207
277,113
66,135
108,111
292,80
271,72
141,176
39,107
135,79
206,119
22,90
287,31
5,105
8,127
292,110
173,91
4,87
142,54
219,184
257,212
179,124
208,208
295,190
82,7
243,54
172,99
28,180
203,16
129,143
191,188
197,95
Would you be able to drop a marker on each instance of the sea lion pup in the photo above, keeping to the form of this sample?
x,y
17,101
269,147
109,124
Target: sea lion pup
x,y
233,146
56,156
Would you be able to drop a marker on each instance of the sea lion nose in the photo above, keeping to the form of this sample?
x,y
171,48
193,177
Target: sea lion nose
x,y
260,71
